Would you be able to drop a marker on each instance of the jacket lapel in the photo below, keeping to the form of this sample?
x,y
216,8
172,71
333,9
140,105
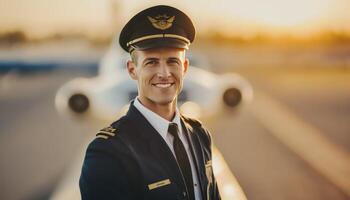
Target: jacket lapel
x,y
158,147
197,154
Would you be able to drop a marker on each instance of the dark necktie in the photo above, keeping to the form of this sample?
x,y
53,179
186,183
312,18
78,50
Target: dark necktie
x,y
182,159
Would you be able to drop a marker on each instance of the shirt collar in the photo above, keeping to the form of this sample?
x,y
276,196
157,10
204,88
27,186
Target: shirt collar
x,y
159,123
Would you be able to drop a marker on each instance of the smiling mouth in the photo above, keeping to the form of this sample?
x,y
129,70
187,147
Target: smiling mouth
x,y
163,85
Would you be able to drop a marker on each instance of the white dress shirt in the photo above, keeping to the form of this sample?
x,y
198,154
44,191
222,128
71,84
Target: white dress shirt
x,y
161,125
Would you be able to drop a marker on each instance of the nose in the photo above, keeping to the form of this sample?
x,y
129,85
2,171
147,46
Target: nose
x,y
164,71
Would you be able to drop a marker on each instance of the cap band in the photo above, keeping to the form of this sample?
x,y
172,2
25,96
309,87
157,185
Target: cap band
x,y
147,37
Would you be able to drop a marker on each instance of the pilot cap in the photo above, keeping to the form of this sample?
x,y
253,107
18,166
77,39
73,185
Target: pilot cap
x,y
155,27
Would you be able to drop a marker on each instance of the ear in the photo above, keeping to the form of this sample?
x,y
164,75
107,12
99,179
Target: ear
x,y
186,64
131,69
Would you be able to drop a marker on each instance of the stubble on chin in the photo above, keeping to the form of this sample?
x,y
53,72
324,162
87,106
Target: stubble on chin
x,y
164,102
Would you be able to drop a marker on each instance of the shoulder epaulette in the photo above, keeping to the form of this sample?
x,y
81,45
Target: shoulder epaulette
x,y
192,121
106,132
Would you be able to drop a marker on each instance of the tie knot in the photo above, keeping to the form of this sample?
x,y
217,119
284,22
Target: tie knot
x,y
173,130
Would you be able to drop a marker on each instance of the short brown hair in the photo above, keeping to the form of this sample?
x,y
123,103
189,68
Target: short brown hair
x,y
133,57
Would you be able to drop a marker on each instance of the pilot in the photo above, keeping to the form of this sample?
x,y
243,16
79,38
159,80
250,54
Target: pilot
x,y
153,152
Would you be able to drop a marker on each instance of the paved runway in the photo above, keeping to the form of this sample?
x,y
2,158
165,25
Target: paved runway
x,y
277,166
272,166
265,167
37,146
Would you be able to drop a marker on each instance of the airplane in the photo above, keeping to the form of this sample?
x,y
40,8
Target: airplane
x,y
108,95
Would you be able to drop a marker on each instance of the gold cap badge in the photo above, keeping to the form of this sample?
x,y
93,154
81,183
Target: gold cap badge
x,y
161,22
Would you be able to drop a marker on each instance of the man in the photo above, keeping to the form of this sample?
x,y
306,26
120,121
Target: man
x,y
153,152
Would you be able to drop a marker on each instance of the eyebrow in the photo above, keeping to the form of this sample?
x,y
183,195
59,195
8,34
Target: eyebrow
x,y
174,58
156,59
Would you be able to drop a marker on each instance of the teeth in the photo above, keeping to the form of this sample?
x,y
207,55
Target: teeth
x,y
163,85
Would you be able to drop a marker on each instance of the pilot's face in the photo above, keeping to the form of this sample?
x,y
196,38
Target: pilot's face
x,y
159,74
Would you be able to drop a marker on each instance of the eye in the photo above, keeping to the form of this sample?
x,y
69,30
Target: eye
x,y
151,63
174,62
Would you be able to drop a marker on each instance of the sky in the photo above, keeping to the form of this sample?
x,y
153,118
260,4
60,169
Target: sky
x,y
237,17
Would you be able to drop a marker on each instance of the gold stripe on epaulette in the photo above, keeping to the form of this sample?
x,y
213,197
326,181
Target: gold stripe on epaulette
x,y
109,129
159,184
107,133
102,136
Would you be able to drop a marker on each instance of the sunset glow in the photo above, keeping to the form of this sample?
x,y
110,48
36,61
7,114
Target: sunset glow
x,y
40,17
283,13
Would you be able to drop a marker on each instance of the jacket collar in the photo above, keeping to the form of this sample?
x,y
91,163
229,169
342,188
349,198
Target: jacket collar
x,y
158,123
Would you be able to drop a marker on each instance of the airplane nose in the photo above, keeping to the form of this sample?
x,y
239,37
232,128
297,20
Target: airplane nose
x,y
79,103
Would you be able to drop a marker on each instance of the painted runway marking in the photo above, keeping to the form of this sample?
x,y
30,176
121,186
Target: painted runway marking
x,y
305,140
227,183
68,187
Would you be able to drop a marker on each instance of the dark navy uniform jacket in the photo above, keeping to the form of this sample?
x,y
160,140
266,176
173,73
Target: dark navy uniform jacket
x,y
132,161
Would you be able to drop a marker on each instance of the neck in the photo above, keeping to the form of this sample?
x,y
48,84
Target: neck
x,y
166,111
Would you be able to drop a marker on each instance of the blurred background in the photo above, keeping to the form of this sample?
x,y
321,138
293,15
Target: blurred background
x,y
292,141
